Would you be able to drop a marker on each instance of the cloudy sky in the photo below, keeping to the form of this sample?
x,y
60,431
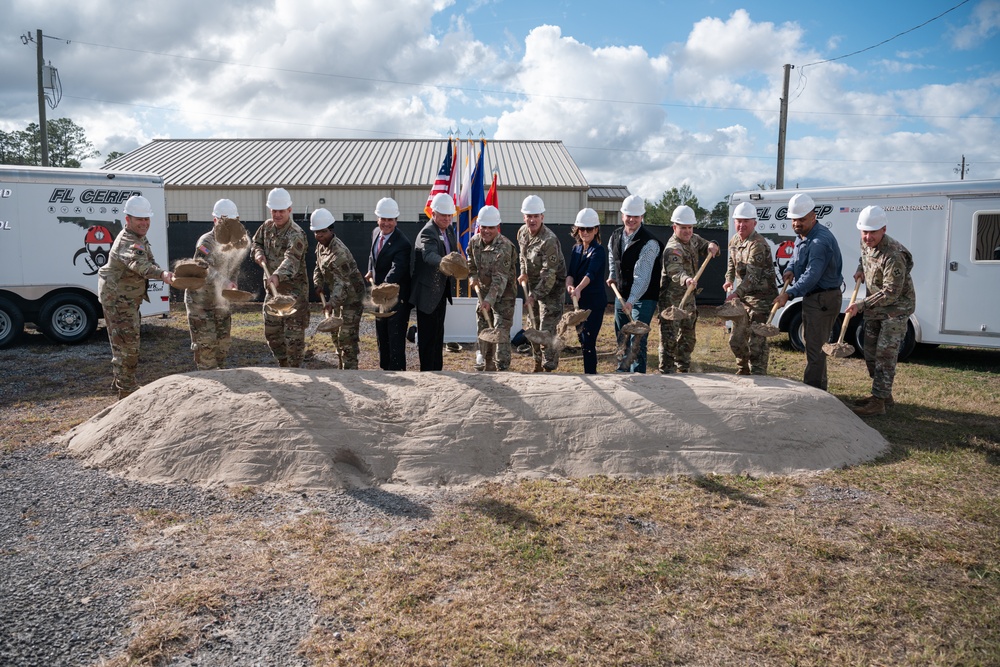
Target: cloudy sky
x,y
652,94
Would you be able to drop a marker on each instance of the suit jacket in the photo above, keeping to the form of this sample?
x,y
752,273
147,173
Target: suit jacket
x,y
392,264
429,284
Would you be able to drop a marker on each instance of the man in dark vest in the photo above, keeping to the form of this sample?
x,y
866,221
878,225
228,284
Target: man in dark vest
x,y
634,268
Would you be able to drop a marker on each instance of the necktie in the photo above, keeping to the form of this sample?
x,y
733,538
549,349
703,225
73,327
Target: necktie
x,y
447,246
378,248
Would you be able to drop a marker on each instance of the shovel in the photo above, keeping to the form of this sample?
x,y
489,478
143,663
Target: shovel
x,y
840,348
331,323
384,296
633,328
571,320
534,334
188,274
677,312
768,330
494,334
281,305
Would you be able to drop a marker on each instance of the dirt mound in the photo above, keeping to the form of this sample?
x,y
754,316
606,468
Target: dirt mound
x,y
308,429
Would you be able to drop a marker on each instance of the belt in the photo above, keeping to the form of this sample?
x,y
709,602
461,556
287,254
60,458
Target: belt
x,y
820,291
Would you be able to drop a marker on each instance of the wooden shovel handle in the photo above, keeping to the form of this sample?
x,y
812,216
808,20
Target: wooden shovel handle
x,y
622,299
531,317
847,318
692,288
267,282
576,302
774,308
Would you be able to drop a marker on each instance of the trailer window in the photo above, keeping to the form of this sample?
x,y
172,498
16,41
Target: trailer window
x,y
987,231
354,217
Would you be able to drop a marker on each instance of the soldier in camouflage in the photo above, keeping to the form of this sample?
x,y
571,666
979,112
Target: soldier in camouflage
x,y
209,317
683,254
543,268
121,288
885,266
750,282
280,245
337,275
493,265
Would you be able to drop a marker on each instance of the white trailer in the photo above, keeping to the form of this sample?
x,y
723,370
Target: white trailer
x,y
953,231
56,231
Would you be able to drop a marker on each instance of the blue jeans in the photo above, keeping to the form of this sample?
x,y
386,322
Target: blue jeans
x,y
642,311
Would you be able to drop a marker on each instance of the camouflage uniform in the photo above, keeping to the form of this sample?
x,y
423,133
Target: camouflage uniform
x,y
751,270
495,267
677,337
890,300
209,317
541,259
284,251
337,272
121,287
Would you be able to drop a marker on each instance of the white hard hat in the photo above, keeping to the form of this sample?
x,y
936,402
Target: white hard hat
x,y
443,203
278,199
683,215
587,218
489,216
634,205
138,207
225,208
745,211
799,206
387,208
872,219
320,219
532,205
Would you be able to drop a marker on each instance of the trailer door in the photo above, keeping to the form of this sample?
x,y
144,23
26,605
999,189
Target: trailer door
x,y
972,300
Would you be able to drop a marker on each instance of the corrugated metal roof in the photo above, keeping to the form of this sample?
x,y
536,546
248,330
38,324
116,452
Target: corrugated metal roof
x,y
342,163
608,192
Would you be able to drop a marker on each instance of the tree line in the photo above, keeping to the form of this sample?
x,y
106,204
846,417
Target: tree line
x,y
68,145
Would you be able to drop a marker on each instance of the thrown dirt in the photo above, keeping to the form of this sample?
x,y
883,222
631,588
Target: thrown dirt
x,y
312,429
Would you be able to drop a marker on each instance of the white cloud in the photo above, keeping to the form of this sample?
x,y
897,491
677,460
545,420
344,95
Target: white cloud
x,y
984,24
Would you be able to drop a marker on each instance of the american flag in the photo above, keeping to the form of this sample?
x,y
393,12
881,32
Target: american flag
x,y
442,181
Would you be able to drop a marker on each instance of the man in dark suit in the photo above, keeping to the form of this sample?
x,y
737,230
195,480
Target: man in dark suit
x,y
389,262
431,291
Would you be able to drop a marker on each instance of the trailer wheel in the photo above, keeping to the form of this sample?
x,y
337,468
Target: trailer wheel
x,y
68,318
857,336
11,323
797,332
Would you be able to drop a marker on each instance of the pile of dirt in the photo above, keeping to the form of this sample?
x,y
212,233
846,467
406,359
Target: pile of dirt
x,y
323,429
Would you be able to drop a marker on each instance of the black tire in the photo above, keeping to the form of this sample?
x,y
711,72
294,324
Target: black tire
x,y
796,332
11,323
68,319
857,336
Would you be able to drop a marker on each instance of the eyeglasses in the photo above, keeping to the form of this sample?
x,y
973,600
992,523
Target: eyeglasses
x,y
587,229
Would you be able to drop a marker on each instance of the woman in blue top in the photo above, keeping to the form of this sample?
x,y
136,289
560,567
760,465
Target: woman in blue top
x,y
585,281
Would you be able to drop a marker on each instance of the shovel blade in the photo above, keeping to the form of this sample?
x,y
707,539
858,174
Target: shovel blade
x,y
635,329
765,330
492,336
840,350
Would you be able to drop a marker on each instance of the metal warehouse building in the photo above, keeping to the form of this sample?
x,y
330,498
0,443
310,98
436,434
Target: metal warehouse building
x,y
348,176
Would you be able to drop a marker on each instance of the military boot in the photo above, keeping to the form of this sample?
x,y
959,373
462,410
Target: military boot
x,y
538,366
283,363
874,406
743,368
889,402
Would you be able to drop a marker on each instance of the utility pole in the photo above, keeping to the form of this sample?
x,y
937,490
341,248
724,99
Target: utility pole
x,y
962,170
42,127
779,179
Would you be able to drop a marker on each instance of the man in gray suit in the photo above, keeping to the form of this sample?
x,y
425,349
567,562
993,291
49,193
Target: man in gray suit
x,y
431,291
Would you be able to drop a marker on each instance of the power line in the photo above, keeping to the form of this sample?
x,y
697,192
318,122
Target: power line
x,y
886,41
629,151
